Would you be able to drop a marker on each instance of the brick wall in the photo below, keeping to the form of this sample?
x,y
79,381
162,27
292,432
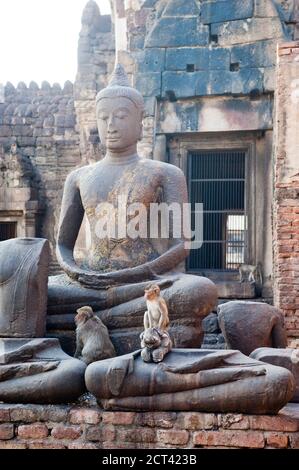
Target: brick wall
x,y
286,184
72,427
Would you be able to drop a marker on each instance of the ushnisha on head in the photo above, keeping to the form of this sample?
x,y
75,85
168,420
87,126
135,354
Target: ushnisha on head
x,y
119,109
119,87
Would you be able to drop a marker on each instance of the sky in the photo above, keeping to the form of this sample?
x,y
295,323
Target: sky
x,y
38,39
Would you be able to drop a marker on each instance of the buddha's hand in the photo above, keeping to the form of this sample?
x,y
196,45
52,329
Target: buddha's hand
x,y
97,281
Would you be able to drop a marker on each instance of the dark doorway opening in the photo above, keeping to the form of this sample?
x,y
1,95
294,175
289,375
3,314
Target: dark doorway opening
x,y
8,230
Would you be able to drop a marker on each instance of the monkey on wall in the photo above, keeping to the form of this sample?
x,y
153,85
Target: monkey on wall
x,y
156,315
251,273
92,337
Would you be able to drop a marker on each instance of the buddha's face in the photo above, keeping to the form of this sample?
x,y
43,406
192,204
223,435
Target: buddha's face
x,y
119,123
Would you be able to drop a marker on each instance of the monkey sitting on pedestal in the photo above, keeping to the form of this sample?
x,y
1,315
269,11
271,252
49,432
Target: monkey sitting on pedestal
x,y
92,337
155,339
251,273
156,315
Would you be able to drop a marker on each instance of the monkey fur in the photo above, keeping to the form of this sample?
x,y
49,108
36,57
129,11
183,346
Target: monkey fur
x,y
156,315
92,337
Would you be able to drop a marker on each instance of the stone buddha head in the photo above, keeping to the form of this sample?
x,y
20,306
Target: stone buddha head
x,y
119,113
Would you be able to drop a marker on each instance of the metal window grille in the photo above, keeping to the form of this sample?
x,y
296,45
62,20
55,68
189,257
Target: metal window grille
x,y
217,179
7,230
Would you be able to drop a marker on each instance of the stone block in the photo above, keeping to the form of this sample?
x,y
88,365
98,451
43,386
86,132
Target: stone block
x,y
247,80
174,32
179,8
173,436
6,432
220,82
219,58
276,440
159,419
66,432
260,54
85,416
246,439
269,83
250,30
226,10
179,58
184,84
33,431
149,84
151,60
4,414
264,9
195,421
97,433
135,435
118,417
233,290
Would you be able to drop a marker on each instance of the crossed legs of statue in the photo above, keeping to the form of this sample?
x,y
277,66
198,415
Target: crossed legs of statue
x,y
121,308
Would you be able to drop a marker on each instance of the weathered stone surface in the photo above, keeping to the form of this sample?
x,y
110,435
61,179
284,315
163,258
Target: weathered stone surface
x,y
288,358
183,391
149,84
23,314
238,320
169,32
260,54
218,11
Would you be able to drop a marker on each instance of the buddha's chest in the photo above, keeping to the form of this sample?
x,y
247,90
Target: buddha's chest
x,y
119,188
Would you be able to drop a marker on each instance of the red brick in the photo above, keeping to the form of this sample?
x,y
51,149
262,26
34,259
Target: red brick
x,y
85,416
100,433
159,420
196,420
83,445
274,423
33,431
118,417
26,415
66,432
4,415
45,445
173,436
6,431
13,445
277,440
144,435
248,439
233,421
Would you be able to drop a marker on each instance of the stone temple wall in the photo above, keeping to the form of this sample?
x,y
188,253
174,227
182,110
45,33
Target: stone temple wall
x,y
41,125
286,195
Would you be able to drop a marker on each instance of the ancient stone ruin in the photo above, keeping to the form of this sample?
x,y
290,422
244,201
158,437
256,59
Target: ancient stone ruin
x,y
173,102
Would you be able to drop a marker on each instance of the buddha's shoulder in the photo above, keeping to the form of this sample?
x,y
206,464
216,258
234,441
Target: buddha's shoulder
x,y
81,172
163,168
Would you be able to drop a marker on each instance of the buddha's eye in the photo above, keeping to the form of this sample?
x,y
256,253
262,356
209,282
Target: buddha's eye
x,y
121,115
103,117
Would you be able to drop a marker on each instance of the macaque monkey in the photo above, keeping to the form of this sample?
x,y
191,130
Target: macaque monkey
x,y
92,337
251,273
156,315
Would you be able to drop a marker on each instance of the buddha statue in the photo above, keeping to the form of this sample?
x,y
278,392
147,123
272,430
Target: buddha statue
x,y
119,266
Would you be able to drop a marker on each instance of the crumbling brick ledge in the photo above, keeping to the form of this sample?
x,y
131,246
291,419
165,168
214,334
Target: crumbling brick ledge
x,y
82,427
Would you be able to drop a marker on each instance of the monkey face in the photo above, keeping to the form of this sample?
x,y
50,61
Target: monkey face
x,y
151,338
152,292
83,314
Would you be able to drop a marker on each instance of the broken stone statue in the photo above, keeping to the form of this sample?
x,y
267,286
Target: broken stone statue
x,y
32,369
118,267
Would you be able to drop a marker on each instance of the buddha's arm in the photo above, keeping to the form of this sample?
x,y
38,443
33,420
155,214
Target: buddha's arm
x,y
71,217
